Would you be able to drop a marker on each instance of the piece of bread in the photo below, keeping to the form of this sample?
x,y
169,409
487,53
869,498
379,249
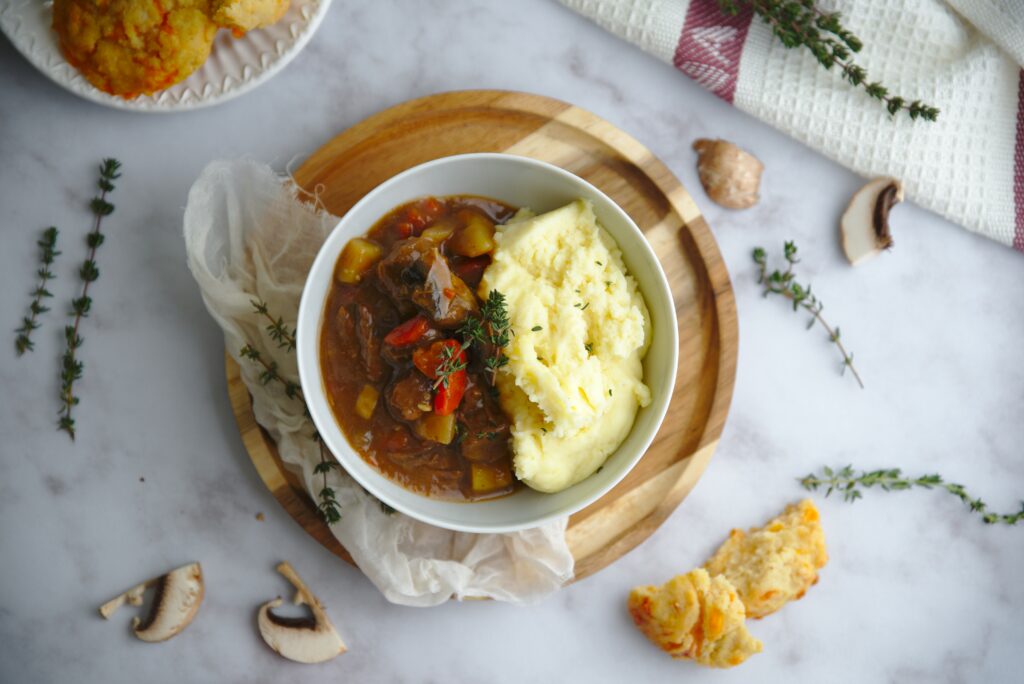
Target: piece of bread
x,y
774,564
245,15
134,47
697,617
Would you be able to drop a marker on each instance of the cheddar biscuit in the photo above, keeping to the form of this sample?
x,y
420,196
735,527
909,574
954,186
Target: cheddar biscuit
x,y
245,15
774,564
134,47
696,617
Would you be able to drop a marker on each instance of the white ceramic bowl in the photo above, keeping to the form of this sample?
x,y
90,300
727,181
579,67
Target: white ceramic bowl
x,y
520,182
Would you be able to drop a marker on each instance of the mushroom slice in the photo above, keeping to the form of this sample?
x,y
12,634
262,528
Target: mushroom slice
x,y
303,639
865,223
730,175
177,599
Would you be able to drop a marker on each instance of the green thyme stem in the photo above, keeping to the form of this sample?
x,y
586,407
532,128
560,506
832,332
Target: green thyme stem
x,y
847,481
71,367
47,253
784,283
800,23
278,331
270,373
328,504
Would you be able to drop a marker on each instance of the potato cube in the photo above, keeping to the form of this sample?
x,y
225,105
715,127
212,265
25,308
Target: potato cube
x,y
356,259
475,238
366,402
487,478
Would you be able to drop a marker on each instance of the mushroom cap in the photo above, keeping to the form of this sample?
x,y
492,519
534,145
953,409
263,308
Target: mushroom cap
x,y
864,225
178,596
304,639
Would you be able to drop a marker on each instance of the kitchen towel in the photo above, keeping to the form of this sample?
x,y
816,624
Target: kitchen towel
x,y
252,235
962,56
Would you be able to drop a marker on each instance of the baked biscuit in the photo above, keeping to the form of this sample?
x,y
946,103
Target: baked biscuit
x,y
775,564
697,617
245,15
134,47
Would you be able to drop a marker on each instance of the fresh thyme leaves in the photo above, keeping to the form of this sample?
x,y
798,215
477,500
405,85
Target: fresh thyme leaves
x,y
278,331
589,346
487,435
784,283
328,505
491,329
847,481
47,253
536,328
71,367
270,373
452,361
801,23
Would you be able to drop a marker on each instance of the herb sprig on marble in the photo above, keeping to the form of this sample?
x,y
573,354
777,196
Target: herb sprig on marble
x,y
89,272
784,283
799,23
849,482
47,253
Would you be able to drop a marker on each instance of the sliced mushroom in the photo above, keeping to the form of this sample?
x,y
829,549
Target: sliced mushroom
x,y
302,639
177,599
730,175
865,223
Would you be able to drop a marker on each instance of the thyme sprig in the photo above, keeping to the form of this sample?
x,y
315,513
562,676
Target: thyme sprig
x,y
492,329
328,504
784,283
270,373
277,329
71,367
452,361
799,23
47,253
847,481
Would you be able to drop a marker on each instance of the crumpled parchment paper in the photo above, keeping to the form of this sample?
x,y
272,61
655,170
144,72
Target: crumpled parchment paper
x,y
250,234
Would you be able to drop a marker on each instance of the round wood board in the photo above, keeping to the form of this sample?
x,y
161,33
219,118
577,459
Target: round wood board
x,y
352,164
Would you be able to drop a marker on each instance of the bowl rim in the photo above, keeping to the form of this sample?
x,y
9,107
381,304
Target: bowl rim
x,y
310,316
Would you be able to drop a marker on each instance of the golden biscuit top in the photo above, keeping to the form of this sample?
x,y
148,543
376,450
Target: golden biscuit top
x,y
697,617
774,564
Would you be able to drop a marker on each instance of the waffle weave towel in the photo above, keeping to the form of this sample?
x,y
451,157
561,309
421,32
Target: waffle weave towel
x,y
963,56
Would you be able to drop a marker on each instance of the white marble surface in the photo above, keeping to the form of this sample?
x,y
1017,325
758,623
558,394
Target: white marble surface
x,y
916,590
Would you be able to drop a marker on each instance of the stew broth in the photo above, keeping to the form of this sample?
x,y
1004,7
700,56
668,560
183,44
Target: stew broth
x,y
399,296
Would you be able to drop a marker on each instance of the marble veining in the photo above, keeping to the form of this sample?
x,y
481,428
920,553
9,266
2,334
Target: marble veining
x,y
915,591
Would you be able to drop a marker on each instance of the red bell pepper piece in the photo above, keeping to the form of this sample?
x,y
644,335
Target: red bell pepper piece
x,y
429,359
407,333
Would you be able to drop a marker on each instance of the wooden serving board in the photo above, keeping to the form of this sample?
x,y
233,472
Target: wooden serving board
x,y
362,157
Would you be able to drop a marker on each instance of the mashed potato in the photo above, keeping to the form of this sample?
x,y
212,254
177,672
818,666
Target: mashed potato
x,y
775,564
574,380
697,617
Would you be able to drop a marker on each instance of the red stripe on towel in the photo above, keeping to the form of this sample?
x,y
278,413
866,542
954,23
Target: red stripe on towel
x,y
1018,167
710,45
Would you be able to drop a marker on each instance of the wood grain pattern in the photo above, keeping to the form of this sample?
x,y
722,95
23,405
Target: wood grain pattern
x,y
370,152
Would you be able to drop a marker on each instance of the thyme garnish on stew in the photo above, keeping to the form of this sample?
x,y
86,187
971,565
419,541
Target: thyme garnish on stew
x,y
492,328
48,252
847,481
71,367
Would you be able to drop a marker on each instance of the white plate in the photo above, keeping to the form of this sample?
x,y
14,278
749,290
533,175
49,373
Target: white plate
x,y
235,66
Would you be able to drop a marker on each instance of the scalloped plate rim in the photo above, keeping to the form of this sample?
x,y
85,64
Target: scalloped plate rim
x,y
37,44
